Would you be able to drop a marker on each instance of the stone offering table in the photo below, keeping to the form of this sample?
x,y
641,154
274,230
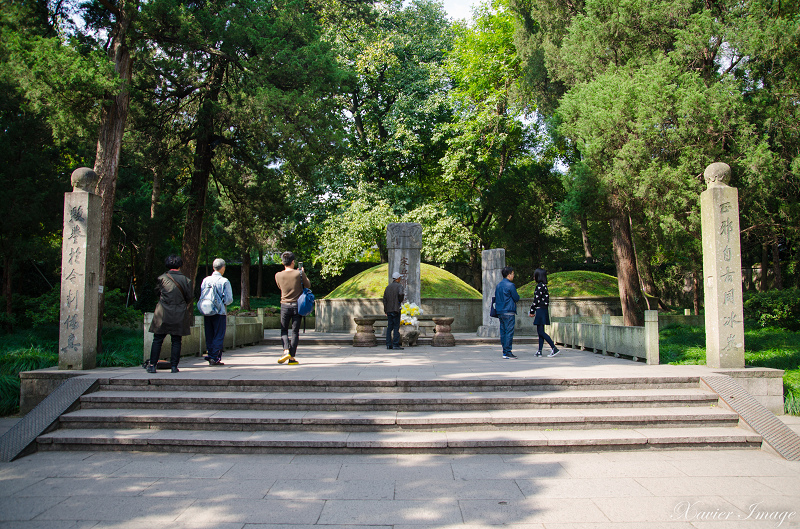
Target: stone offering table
x,y
365,330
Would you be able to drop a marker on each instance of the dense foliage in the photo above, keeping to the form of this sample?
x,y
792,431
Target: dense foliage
x,y
775,308
574,134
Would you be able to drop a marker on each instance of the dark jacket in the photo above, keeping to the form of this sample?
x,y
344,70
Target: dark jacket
x,y
393,297
506,297
171,316
541,297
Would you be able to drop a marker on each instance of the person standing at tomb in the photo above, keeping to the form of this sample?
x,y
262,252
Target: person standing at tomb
x,y
505,298
540,311
171,315
216,324
392,299
291,282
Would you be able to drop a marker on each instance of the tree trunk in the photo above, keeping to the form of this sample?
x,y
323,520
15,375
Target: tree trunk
x,y
260,284
630,294
764,266
8,262
201,173
587,245
244,298
113,116
696,292
475,267
152,232
776,267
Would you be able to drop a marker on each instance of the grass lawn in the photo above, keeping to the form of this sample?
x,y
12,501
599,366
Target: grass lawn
x,y
575,284
37,348
436,283
764,347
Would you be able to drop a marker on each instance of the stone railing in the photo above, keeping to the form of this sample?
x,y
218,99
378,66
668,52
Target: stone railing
x,y
605,337
336,315
664,320
240,331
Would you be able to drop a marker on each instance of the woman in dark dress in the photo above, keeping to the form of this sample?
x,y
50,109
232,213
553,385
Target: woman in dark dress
x,y
171,315
540,312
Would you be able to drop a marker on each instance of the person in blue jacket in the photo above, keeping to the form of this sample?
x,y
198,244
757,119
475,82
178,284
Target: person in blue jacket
x,y
505,298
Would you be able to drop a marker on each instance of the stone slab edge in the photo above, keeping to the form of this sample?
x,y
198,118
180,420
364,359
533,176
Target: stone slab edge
x,y
20,439
778,437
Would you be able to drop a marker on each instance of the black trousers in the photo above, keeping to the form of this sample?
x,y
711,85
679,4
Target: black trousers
x,y
175,353
290,317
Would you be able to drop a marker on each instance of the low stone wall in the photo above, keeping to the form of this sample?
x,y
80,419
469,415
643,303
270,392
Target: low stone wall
x,y
336,315
240,330
664,320
603,337
765,384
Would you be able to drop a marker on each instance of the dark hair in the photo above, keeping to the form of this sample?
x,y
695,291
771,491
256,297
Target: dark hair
x,y
173,261
287,258
540,275
506,271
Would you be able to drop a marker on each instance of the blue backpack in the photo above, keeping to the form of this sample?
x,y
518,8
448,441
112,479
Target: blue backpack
x,y
305,303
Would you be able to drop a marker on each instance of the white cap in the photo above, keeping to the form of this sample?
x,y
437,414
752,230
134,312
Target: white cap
x,y
396,275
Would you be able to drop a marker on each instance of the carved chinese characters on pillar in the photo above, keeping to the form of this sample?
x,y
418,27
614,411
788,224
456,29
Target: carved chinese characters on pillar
x,y
72,278
723,270
404,245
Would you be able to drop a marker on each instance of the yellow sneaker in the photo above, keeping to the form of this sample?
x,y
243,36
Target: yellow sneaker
x,y
286,356
293,362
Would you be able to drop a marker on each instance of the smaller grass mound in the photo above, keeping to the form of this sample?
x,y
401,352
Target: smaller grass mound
x,y
576,284
436,283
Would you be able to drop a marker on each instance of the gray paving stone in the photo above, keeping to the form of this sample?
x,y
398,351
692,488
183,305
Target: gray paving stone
x,y
581,488
331,489
50,524
781,484
178,468
758,466
110,508
433,512
134,524
667,509
476,489
376,459
101,486
620,525
10,485
530,510
700,486
216,489
245,470
470,471
291,526
254,511
433,471
620,469
21,509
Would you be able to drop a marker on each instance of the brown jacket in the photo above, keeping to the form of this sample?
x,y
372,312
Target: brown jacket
x,y
290,284
393,297
171,315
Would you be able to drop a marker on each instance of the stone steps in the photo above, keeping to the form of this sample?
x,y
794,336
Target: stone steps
x,y
398,401
280,420
397,442
468,415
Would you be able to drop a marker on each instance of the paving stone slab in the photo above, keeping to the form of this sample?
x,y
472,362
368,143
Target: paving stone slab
x,y
332,489
434,511
569,510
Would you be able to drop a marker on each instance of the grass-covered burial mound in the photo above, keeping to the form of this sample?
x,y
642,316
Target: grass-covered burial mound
x,y
576,284
436,283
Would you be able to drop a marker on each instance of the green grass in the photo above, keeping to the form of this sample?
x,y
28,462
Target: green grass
x,y
436,283
576,284
38,348
764,347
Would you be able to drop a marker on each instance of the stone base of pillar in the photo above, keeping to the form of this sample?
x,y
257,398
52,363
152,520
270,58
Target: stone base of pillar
x,y
489,331
443,337
365,333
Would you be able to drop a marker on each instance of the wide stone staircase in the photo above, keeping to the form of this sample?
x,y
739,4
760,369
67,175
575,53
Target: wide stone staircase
x,y
330,416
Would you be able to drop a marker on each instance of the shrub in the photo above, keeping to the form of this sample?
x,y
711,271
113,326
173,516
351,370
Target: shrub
x,y
775,308
115,311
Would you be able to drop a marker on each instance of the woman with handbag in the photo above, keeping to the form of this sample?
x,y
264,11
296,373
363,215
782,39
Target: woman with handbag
x,y
540,311
173,314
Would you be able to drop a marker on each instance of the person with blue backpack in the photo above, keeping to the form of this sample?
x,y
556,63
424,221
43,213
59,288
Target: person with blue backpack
x,y
294,285
215,296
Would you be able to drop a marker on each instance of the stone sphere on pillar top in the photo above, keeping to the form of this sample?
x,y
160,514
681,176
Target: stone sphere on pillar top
x,y
84,179
718,174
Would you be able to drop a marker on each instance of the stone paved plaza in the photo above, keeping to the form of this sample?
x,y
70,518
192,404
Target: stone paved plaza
x,y
638,489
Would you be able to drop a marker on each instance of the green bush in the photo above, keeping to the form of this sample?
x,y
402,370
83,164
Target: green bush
x,y
775,308
115,311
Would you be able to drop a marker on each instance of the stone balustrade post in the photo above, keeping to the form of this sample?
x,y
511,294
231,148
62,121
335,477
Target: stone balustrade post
x,y
651,336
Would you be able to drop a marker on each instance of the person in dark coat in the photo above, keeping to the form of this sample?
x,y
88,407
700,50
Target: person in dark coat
x,y
171,315
392,298
540,311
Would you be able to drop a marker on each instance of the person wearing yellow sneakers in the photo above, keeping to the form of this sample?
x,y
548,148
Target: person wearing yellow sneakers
x,y
291,282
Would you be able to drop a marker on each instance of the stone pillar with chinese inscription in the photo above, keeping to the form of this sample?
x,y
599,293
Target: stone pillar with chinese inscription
x,y
80,264
722,270
404,243
492,263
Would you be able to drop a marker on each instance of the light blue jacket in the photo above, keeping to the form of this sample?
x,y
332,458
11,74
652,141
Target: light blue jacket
x,y
505,297
218,281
